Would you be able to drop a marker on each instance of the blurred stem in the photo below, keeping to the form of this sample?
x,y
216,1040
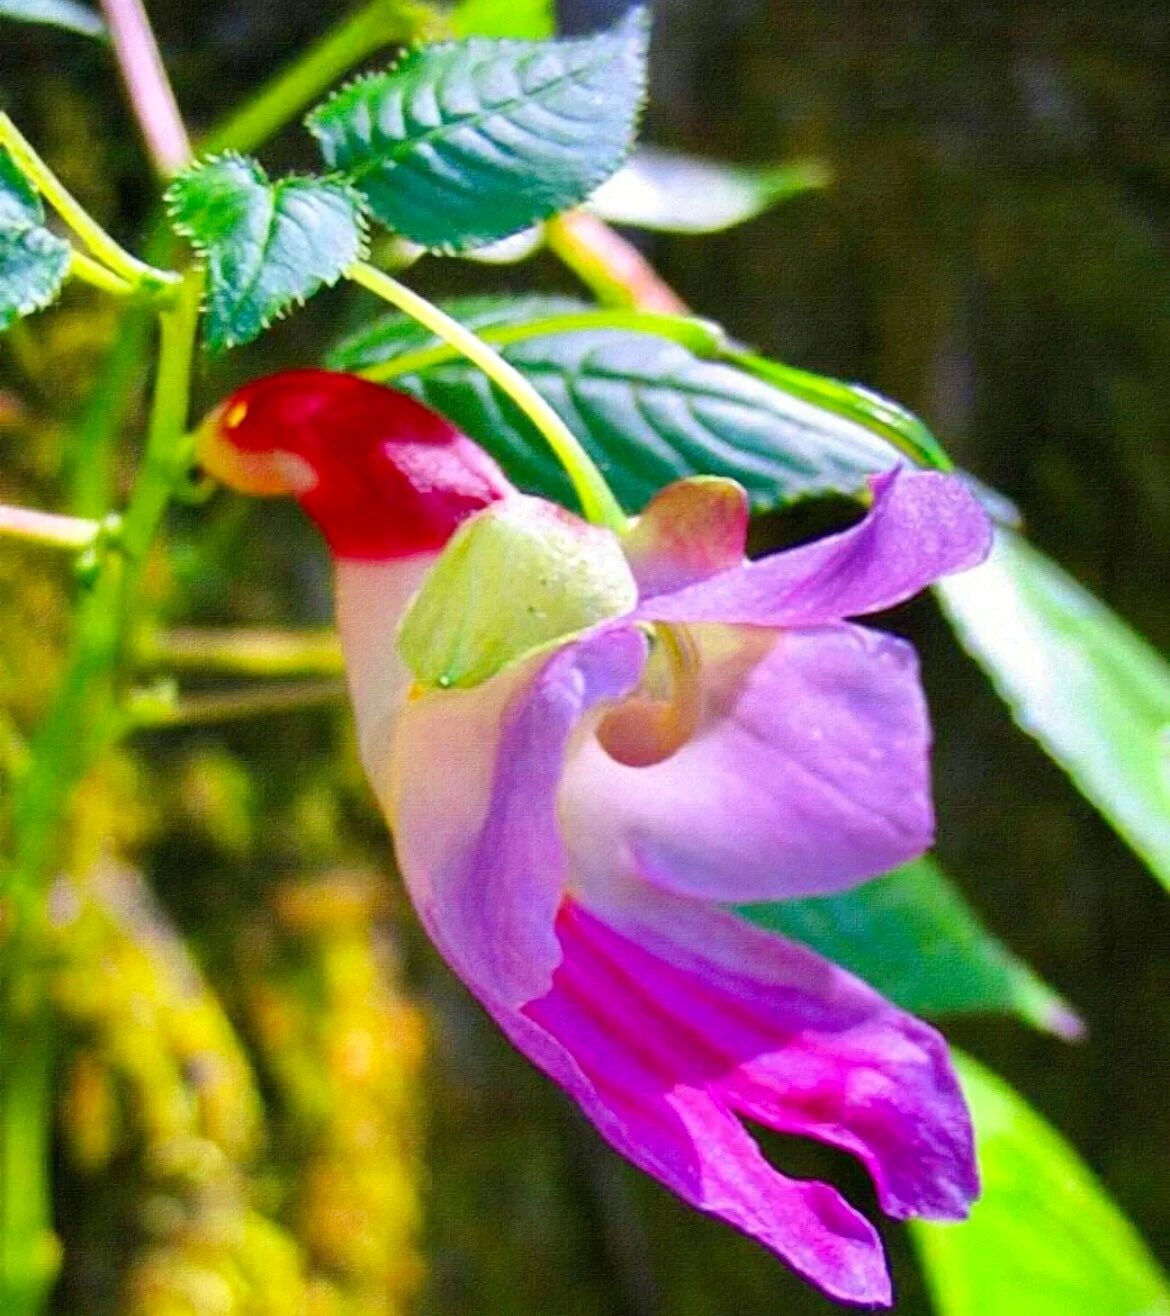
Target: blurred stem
x,y
378,24
47,528
245,652
148,710
142,277
597,500
90,449
147,85
28,1250
611,267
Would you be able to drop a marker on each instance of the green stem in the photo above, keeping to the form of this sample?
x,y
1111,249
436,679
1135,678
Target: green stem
x,y
90,271
29,1253
47,528
702,338
245,652
597,500
146,278
148,711
380,23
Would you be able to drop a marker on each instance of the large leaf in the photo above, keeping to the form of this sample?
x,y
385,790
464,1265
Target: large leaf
x,y
913,937
1090,689
65,14
266,245
531,19
1044,1239
466,142
652,404
681,194
34,263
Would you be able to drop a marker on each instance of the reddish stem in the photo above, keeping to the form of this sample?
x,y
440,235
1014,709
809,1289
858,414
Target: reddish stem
x,y
147,85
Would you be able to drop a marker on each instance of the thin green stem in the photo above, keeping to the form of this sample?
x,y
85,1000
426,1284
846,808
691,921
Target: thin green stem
x,y
597,500
701,337
143,277
148,711
376,25
88,270
47,529
244,652
29,1253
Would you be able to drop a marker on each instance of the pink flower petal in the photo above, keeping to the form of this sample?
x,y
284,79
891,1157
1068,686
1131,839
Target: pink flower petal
x,y
474,779
922,525
665,1044
807,773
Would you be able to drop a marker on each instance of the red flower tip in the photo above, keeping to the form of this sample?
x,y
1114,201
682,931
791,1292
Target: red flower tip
x,y
382,475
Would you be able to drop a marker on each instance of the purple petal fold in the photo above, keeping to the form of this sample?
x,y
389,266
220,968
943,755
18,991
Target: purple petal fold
x,y
473,802
922,525
668,1022
808,772
689,531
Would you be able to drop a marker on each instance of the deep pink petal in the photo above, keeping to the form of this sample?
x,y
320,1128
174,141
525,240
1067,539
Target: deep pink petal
x,y
668,1021
808,772
689,531
473,804
922,525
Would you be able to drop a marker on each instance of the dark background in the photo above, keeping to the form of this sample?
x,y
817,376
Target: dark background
x,y
994,254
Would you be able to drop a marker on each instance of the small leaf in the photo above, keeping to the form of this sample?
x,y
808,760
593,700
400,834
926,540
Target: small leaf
x,y
34,262
912,936
530,19
1044,1239
681,194
266,245
650,409
1076,677
66,14
467,142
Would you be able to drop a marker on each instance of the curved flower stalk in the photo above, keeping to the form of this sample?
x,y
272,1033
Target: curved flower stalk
x,y
587,748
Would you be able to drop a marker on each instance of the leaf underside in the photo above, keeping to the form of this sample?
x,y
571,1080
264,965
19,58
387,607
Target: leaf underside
x,y
267,246
65,14
464,143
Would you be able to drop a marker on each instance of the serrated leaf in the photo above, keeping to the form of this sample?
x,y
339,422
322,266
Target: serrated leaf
x,y
34,262
530,19
650,410
683,194
467,142
912,935
1079,680
66,14
1044,1239
266,245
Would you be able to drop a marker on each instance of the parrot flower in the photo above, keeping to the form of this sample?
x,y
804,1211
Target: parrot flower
x,y
588,747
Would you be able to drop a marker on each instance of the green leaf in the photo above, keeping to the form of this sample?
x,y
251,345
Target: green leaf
x,y
681,194
1044,1239
65,14
912,935
650,406
530,19
34,263
266,245
1079,680
467,142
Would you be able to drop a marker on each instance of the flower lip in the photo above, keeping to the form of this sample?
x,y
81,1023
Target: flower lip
x,y
382,475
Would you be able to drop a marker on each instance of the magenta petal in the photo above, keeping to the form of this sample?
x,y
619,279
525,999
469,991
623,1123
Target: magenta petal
x,y
665,1044
922,525
808,773
473,799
